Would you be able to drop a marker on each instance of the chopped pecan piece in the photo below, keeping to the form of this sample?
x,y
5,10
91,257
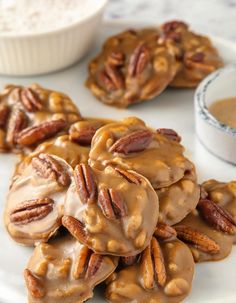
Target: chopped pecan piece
x,y
216,216
48,167
197,57
116,59
138,60
4,113
112,204
85,184
44,130
75,227
94,264
197,239
203,193
30,100
165,231
153,265
31,210
17,122
136,141
128,176
34,285
169,133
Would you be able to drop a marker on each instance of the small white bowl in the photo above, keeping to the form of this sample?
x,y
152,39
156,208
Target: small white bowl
x,y
218,138
39,53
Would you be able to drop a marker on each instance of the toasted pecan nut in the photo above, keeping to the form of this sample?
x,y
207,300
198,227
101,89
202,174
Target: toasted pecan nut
x,y
198,239
138,60
111,203
85,183
94,264
31,210
159,263
169,133
30,100
128,176
47,166
165,231
81,262
128,261
116,58
114,76
75,227
33,284
35,134
16,123
216,216
134,142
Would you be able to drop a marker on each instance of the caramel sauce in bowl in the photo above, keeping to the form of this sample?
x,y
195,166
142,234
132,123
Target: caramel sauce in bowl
x,y
215,113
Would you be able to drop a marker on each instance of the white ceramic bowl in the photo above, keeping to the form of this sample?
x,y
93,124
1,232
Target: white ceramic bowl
x,y
32,54
217,137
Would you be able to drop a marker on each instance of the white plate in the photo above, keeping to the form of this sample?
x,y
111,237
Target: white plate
x,y
214,282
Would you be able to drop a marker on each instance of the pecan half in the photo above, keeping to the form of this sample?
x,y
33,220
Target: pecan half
x,y
133,142
94,264
116,59
114,76
44,130
30,100
34,285
17,122
31,210
75,227
48,167
111,203
83,134
138,60
81,262
169,133
4,113
128,176
197,239
165,231
85,184
216,216
153,265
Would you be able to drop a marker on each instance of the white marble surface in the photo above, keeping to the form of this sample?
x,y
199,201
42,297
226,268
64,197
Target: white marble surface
x,y
217,17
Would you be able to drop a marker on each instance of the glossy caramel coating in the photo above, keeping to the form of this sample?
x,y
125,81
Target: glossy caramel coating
x,y
195,53
64,271
121,222
33,114
131,68
128,284
162,162
35,203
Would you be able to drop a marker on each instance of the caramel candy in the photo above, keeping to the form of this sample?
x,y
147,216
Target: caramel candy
x,y
64,271
112,211
195,53
179,199
163,274
205,241
131,68
30,115
35,202
130,144
223,194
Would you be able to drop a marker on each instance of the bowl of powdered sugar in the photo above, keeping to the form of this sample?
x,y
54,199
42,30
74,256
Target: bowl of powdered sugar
x,y
42,36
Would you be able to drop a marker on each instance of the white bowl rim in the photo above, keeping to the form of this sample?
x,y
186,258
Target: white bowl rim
x,y
200,100
87,17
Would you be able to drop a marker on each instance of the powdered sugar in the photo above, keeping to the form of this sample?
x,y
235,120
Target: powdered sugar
x,y
33,16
